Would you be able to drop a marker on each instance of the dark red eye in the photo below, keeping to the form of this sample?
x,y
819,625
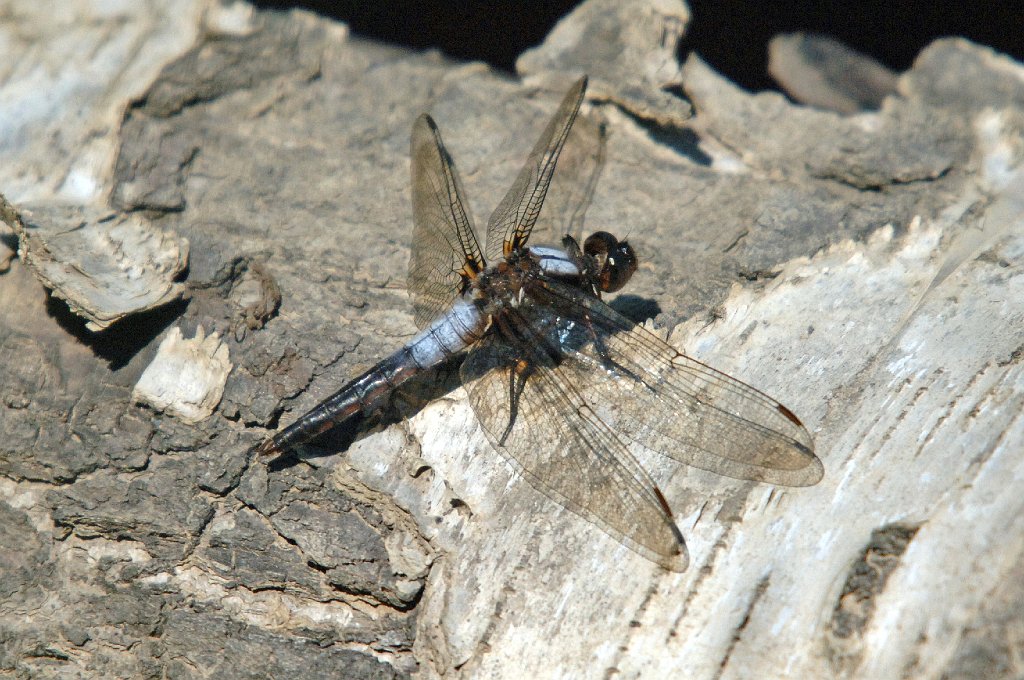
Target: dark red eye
x,y
598,244
615,260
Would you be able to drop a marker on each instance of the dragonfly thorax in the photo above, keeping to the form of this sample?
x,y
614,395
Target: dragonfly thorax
x,y
504,285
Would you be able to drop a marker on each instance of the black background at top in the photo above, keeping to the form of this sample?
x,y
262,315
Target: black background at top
x,y
732,35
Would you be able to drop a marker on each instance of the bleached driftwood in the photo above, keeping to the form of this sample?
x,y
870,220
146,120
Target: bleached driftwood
x,y
865,269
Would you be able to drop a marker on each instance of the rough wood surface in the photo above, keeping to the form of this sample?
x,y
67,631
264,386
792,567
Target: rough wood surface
x,y
866,269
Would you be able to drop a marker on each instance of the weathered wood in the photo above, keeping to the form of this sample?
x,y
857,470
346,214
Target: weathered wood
x,y
865,269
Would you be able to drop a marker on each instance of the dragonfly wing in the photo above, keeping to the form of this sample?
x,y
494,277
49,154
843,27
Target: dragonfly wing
x,y
513,220
572,187
668,402
548,432
445,252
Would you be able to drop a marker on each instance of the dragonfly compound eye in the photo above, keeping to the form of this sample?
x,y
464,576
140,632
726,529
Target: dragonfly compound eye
x,y
616,260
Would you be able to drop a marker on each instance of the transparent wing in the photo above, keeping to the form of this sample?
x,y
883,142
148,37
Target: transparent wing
x,y
445,253
572,187
512,221
542,425
667,402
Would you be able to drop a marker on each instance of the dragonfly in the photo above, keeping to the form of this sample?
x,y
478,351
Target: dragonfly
x,y
564,387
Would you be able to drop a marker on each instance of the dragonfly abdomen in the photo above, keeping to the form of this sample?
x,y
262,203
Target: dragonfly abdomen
x,y
448,334
452,332
357,396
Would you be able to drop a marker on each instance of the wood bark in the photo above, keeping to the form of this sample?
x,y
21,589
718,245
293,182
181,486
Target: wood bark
x,y
865,268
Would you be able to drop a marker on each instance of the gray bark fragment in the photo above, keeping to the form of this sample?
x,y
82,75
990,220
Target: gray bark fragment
x,y
105,266
821,72
143,506
341,536
628,49
223,647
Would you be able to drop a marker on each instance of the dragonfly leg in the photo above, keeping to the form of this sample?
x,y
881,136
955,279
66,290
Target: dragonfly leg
x,y
517,375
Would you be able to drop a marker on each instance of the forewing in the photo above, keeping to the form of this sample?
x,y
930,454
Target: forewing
x,y
667,402
572,187
512,221
445,252
564,449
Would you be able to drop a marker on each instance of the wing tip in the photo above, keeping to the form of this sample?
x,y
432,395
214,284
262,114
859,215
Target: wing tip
x,y
678,560
812,472
809,473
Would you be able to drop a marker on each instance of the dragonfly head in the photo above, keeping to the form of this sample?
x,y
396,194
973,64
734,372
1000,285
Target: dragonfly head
x,y
615,260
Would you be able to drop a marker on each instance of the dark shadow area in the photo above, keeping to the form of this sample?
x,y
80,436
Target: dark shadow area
x,y
635,308
731,35
124,339
683,141
490,31
10,240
